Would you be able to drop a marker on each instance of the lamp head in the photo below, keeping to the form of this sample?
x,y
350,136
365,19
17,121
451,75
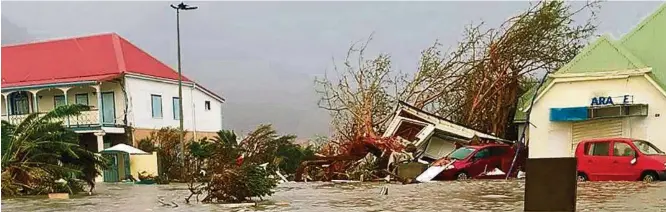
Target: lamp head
x,y
183,6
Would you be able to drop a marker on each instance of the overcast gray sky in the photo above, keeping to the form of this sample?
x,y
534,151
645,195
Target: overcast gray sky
x,y
263,56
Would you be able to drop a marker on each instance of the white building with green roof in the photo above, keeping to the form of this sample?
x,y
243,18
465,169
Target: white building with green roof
x,y
613,88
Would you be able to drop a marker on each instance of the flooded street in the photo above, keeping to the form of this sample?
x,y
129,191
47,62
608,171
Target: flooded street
x,y
438,196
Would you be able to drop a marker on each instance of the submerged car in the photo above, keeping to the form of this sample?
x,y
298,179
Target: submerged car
x,y
620,159
473,161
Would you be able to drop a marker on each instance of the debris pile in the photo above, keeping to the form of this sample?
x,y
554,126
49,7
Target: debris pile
x,y
413,136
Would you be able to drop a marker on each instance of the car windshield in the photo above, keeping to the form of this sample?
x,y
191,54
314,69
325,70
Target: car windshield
x,y
461,153
647,148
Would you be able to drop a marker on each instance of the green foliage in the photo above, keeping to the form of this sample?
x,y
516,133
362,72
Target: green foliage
x,y
227,137
290,156
200,149
167,145
147,145
40,150
212,164
241,183
258,181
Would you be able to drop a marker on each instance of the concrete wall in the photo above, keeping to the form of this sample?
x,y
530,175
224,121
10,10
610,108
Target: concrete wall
x,y
199,119
554,139
140,163
46,102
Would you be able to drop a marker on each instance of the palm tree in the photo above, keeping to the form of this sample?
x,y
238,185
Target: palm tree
x,y
40,150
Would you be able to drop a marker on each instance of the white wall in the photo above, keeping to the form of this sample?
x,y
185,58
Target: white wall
x,y
553,139
207,120
139,93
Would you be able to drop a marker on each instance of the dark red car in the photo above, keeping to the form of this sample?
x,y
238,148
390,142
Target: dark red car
x,y
472,161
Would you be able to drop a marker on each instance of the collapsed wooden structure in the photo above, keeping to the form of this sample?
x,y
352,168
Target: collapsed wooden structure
x,y
413,134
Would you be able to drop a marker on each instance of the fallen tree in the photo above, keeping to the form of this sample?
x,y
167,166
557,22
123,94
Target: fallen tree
x,y
478,84
225,170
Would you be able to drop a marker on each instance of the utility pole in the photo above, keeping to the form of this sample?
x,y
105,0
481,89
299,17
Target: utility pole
x,y
178,8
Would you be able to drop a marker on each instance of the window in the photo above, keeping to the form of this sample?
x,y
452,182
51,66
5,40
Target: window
x,y
622,149
207,105
647,148
58,100
82,99
176,108
461,153
484,153
156,103
598,149
497,151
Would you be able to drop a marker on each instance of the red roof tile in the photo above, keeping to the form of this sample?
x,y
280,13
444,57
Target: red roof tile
x,y
95,57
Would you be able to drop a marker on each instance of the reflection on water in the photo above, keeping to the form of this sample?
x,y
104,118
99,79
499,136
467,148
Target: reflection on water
x,y
495,195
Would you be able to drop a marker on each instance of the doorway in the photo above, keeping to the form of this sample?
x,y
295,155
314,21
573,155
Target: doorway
x,y
108,108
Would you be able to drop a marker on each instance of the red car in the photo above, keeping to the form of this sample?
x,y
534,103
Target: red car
x,y
471,161
620,159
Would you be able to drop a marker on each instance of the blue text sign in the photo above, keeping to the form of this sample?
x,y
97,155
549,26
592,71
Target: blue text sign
x,y
608,100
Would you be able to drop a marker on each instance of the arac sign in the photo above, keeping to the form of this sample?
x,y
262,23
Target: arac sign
x,y
608,100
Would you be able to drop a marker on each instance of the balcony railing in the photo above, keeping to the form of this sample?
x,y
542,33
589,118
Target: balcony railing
x,y
85,119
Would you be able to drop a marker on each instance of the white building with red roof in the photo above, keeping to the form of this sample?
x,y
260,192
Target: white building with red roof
x,y
130,92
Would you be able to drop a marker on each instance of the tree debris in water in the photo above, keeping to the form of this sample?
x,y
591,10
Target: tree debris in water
x,y
476,85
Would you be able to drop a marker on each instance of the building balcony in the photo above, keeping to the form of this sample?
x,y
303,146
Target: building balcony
x,y
87,119
106,102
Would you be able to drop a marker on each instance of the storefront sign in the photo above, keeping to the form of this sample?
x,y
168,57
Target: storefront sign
x,y
608,100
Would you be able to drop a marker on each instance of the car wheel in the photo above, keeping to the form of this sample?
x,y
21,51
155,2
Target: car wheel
x,y
462,176
582,177
649,177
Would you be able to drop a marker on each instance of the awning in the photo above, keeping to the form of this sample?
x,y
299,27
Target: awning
x,y
572,114
125,148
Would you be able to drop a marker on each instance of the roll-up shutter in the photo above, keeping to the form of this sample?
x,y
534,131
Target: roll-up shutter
x,y
600,128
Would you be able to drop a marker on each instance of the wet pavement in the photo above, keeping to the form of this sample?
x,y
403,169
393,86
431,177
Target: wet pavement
x,y
482,195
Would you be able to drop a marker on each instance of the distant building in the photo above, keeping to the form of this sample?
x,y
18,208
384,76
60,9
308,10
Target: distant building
x,y
130,93
612,88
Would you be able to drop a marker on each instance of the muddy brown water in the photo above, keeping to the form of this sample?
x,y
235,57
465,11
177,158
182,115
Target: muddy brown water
x,y
486,195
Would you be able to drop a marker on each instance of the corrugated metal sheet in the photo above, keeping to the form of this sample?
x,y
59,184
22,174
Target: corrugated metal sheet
x,y
600,128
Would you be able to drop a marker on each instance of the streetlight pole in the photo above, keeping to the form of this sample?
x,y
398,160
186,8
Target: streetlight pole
x,y
178,8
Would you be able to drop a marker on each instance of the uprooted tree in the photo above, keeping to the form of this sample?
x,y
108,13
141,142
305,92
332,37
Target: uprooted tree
x,y
225,170
477,84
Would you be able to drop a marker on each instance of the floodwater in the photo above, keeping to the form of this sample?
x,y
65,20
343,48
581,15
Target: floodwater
x,y
480,195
